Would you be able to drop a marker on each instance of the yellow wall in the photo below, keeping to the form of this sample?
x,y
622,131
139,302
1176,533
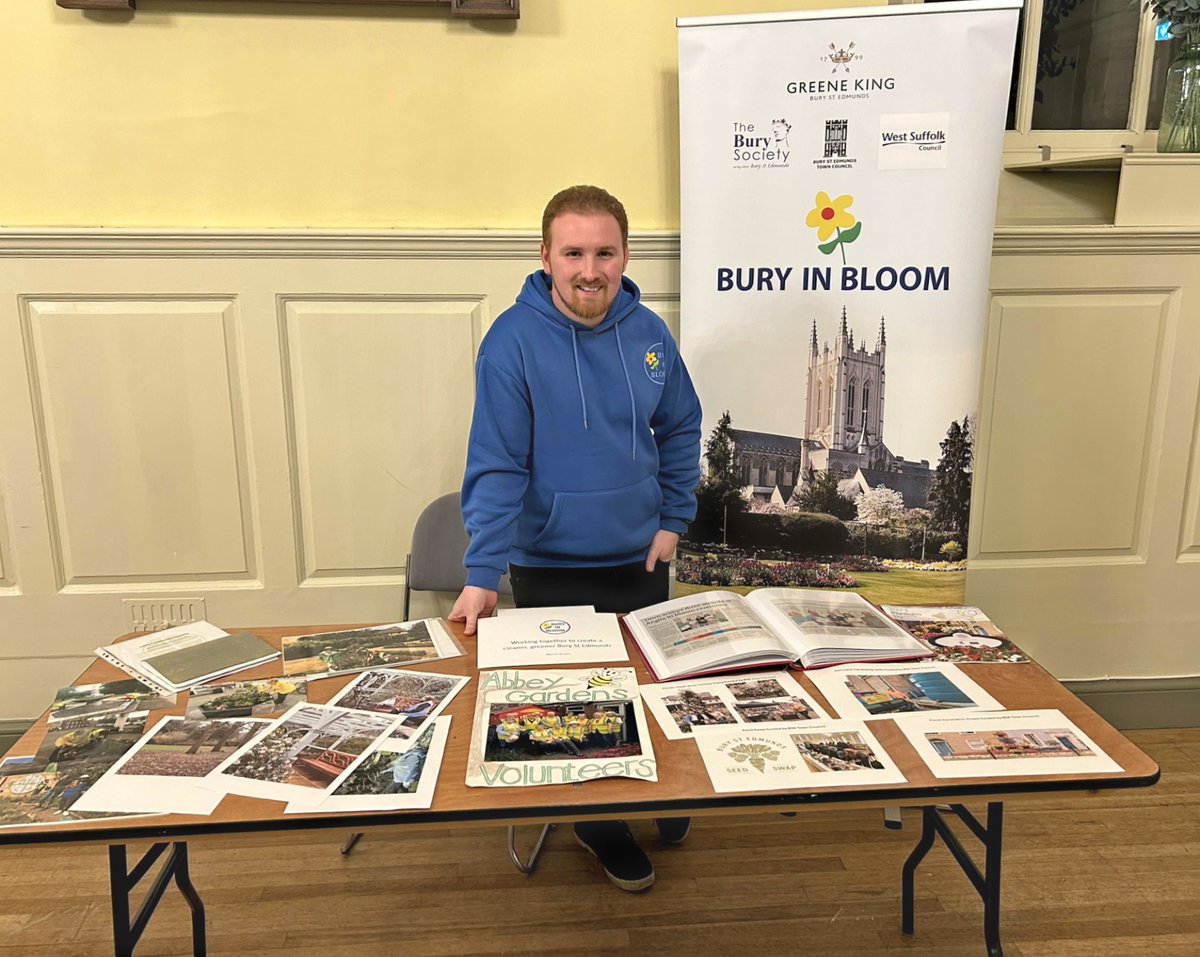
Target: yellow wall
x,y
226,114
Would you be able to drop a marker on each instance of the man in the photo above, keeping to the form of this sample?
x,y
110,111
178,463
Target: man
x,y
584,451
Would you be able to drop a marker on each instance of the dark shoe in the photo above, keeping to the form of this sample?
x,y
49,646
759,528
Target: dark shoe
x,y
673,830
612,844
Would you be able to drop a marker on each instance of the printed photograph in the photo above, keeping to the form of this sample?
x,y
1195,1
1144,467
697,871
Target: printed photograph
x,y
409,694
836,751
311,747
388,771
45,797
701,620
690,709
787,709
597,729
258,698
815,618
17,765
916,691
79,740
751,690
128,696
337,652
190,749
999,745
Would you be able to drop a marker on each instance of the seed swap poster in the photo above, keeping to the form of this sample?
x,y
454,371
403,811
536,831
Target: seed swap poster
x,y
838,177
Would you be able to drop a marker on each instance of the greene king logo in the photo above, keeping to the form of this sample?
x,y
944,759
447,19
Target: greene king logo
x,y
653,363
840,58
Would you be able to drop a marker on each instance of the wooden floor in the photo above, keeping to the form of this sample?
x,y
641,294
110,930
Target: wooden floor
x,y
1083,877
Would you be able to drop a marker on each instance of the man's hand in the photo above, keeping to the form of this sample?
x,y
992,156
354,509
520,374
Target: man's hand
x,y
662,549
474,603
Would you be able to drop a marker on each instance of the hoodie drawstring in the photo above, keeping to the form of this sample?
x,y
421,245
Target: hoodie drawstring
x,y
578,377
629,386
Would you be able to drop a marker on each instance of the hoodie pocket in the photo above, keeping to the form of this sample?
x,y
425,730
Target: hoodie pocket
x,y
611,522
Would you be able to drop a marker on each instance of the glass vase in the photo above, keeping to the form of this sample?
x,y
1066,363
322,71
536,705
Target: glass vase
x,y
1179,129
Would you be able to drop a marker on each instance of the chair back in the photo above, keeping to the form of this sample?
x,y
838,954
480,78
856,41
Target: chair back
x,y
438,545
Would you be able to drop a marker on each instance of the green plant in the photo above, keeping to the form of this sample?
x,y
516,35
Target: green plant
x,y
1183,15
951,551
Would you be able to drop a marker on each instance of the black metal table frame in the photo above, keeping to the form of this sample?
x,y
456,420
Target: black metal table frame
x,y
934,818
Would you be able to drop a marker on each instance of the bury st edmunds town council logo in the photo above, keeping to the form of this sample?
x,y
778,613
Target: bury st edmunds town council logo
x,y
654,363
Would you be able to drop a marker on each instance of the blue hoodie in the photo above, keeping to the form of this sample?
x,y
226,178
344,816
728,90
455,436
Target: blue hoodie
x,y
584,442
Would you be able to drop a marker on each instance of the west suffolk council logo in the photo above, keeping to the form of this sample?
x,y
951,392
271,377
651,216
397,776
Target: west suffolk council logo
x,y
654,363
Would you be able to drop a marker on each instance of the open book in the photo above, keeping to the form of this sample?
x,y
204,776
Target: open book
x,y
803,627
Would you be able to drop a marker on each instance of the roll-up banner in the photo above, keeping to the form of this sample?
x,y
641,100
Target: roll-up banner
x,y
838,188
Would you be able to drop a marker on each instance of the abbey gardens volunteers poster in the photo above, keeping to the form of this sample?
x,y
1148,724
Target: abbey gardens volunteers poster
x,y
838,187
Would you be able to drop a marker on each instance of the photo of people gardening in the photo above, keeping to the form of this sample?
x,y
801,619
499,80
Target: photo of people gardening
x,y
598,729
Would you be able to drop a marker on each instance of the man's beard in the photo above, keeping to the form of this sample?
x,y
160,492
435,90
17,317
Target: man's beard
x,y
589,307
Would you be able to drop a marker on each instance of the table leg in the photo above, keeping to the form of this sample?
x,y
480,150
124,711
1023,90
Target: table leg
x,y
126,932
986,883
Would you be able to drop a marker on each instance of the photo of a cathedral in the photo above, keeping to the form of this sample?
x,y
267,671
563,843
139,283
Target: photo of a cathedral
x,y
843,429
841,504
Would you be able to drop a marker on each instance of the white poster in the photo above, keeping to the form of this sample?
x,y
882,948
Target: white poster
x,y
838,185
900,690
823,754
1004,744
773,698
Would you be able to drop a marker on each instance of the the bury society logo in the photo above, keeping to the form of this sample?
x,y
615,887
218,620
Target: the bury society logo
x,y
840,58
653,363
841,85
759,145
835,153
780,129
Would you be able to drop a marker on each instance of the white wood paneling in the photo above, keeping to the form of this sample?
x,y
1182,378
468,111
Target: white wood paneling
x,y
376,431
140,415
1069,372
255,419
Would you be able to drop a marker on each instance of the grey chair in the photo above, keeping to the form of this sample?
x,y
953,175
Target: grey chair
x,y
439,542
436,564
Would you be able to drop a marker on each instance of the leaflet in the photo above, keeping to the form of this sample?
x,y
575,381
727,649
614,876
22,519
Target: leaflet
x,y
415,697
1004,744
395,775
822,754
550,636
900,690
762,697
161,773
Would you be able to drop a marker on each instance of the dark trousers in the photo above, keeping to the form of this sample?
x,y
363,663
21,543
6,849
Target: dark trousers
x,y
612,588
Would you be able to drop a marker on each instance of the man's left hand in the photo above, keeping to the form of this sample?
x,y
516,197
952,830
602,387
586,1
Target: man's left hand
x,y
662,549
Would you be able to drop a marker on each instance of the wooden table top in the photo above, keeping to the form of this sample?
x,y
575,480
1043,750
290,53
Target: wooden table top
x,y
683,787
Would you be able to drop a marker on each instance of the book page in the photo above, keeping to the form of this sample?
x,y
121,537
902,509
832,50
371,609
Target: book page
x,y
822,754
703,632
829,626
771,698
1004,743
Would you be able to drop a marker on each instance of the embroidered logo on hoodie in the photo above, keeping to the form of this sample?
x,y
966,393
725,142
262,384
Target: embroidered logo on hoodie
x,y
653,363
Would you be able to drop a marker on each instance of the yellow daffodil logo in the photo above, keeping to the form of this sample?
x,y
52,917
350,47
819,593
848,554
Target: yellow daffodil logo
x,y
832,216
652,362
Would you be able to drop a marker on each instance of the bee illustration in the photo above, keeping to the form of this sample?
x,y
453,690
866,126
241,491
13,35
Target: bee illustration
x,y
601,678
